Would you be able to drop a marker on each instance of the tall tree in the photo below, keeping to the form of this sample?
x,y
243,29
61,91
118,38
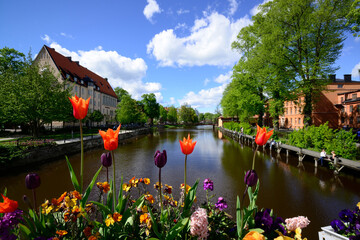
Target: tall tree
x,y
306,38
120,92
151,106
187,114
128,111
96,116
172,115
163,114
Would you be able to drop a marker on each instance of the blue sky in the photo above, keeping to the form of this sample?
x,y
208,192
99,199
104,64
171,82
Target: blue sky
x,y
179,50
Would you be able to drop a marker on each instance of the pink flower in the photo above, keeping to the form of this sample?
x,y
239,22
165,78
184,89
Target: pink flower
x,y
199,223
296,222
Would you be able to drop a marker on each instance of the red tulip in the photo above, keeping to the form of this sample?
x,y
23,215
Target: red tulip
x,y
8,205
262,136
110,138
80,107
187,146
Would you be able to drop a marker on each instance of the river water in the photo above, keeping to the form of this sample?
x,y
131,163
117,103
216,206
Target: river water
x,y
286,187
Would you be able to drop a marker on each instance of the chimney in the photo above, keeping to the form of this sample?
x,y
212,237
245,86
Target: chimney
x,y
106,79
332,77
69,58
347,77
77,62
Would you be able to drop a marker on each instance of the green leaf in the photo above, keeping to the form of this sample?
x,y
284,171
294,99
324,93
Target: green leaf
x,y
105,209
73,175
238,217
88,189
25,230
190,197
154,224
175,230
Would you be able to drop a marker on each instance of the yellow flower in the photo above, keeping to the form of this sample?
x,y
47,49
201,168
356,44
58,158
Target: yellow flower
x,y
253,235
187,187
134,181
147,181
49,209
150,198
144,218
358,205
70,203
76,195
126,187
61,232
109,220
144,209
117,217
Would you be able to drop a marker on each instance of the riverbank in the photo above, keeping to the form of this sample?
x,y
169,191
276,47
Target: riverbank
x,y
61,148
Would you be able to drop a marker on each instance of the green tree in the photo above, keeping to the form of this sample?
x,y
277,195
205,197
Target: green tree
x,y
172,115
304,38
201,117
151,106
128,111
96,116
120,92
163,114
187,114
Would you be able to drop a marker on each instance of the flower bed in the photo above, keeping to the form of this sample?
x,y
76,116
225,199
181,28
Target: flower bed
x,y
133,213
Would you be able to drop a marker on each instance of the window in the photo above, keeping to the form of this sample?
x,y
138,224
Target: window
x,y
351,108
75,79
354,96
67,76
299,100
295,110
358,119
299,121
342,99
351,120
340,86
76,89
290,110
299,110
342,120
343,109
82,91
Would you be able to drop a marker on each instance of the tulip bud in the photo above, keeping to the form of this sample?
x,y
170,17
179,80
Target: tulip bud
x,y
160,158
32,181
106,159
251,178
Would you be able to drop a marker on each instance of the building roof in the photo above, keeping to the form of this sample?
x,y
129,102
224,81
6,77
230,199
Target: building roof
x,y
74,70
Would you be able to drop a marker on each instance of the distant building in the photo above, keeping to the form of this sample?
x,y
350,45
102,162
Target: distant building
x,y
338,104
84,82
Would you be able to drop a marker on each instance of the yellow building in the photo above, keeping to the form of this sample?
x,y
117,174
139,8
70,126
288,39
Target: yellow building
x,y
84,82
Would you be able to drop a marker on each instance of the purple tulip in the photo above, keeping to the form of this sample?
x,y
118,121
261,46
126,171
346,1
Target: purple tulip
x,y
208,185
251,178
160,158
106,159
32,181
221,204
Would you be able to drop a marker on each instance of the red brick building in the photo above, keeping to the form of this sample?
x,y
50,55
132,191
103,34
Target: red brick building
x,y
338,104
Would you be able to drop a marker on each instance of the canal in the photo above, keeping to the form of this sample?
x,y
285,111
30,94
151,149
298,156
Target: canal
x,y
285,186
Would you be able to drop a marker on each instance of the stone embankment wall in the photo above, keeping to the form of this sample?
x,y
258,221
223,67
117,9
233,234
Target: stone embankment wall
x,y
68,148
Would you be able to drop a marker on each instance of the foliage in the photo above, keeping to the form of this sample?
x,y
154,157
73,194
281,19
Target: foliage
x,y
9,154
172,115
128,111
317,138
31,96
187,114
120,93
163,114
96,116
151,106
234,126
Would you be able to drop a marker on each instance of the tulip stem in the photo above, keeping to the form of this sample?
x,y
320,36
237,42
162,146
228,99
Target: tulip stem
x,y
107,174
34,197
185,182
253,164
82,158
161,202
114,192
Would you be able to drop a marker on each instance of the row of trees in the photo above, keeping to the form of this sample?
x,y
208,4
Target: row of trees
x,y
130,111
289,49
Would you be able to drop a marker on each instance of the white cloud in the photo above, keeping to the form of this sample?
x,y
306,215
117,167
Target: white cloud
x,y
224,78
66,35
233,7
180,26
46,38
150,9
209,43
355,70
121,71
255,10
206,81
205,98
182,11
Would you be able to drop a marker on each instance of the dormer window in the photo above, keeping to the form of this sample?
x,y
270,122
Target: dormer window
x,y
75,79
82,81
67,76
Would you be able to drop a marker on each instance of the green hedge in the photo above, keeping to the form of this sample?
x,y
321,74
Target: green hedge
x,y
317,138
235,126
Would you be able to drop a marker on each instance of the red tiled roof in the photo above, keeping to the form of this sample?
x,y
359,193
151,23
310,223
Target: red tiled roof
x,y
74,69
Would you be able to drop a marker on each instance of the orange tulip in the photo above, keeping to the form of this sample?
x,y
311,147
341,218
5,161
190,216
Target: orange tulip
x,y
80,107
110,138
262,136
8,205
254,236
187,146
